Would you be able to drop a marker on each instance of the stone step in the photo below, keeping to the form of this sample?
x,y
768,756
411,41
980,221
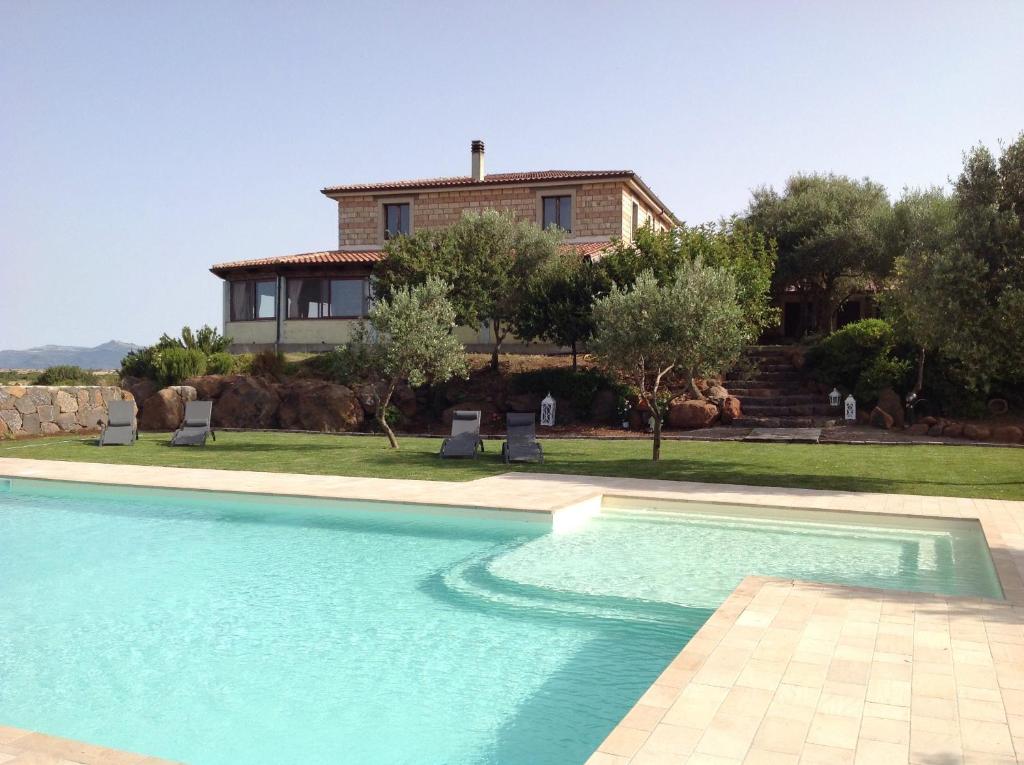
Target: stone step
x,y
789,379
781,422
769,397
785,410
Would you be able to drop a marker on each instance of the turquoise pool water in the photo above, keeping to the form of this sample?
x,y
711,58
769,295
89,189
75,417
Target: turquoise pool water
x,y
222,629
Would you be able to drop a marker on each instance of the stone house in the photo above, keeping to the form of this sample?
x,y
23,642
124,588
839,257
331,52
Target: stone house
x,y
311,301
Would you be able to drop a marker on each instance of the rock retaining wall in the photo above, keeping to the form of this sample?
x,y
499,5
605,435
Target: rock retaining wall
x,y
34,410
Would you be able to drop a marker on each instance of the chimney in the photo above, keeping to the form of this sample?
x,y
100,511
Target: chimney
x,y
477,150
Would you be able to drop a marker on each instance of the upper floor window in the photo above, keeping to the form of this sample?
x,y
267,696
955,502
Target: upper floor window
x,y
557,212
636,218
253,299
324,298
396,219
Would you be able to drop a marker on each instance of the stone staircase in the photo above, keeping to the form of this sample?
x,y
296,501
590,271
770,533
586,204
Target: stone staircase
x,y
774,394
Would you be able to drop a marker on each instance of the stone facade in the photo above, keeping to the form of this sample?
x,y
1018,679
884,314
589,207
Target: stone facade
x,y
34,410
603,209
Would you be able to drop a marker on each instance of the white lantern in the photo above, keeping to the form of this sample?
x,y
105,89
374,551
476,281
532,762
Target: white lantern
x,y
547,411
833,397
851,408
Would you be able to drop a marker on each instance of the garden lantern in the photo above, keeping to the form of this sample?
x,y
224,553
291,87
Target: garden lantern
x,y
547,411
834,397
851,408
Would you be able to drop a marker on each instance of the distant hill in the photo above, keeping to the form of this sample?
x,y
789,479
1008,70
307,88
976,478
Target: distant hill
x,y
105,356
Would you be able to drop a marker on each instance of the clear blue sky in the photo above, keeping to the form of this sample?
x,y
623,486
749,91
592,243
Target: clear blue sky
x,y
141,142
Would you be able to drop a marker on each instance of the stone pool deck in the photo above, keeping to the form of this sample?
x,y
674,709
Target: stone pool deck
x,y
783,672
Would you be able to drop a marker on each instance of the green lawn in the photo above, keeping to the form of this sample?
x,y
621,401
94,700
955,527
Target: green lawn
x,y
959,471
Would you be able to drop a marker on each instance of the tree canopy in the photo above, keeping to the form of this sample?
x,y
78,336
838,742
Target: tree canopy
x,y
411,340
487,259
559,301
828,229
732,245
692,324
957,286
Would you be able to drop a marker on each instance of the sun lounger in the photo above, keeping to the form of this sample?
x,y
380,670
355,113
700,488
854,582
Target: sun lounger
x,y
197,425
465,438
522,444
120,428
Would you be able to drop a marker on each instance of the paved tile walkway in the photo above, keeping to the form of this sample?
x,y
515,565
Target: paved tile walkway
x,y
791,672
785,435
783,672
23,747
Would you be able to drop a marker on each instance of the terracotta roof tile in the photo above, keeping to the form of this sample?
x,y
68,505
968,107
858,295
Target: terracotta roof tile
x,y
587,249
327,256
498,178
467,180
583,249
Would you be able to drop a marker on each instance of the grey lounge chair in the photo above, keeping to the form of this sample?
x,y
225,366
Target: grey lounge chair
x,y
196,427
465,437
120,428
522,444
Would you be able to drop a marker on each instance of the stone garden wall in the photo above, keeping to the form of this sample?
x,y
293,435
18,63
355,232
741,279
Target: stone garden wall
x,y
33,410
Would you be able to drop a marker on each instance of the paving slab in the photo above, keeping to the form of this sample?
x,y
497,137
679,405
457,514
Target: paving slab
x,y
785,435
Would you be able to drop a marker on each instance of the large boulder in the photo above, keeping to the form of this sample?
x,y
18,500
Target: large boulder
x,y
7,399
209,387
1007,434
404,400
953,430
165,409
247,402
977,432
65,401
881,418
919,429
889,401
320,406
526,402
367,395
140,389
689,414
30,424
731,409
12,418
717,394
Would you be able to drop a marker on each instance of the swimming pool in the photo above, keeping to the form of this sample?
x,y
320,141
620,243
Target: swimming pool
x,y
220,628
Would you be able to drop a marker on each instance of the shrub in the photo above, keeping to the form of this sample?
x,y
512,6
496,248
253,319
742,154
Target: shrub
x,y
176,364
576,388
267,364
65,375
862,349
206,339
883,372
220,364
346,364
140,363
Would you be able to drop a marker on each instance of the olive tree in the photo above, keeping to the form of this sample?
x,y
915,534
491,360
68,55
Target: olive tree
x,y
692,324
487,258
410,337
828,229
558,304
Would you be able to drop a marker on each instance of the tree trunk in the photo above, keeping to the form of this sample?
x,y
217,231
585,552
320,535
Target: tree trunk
x,y
497,345
920,371
382,408
573,355
656,453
